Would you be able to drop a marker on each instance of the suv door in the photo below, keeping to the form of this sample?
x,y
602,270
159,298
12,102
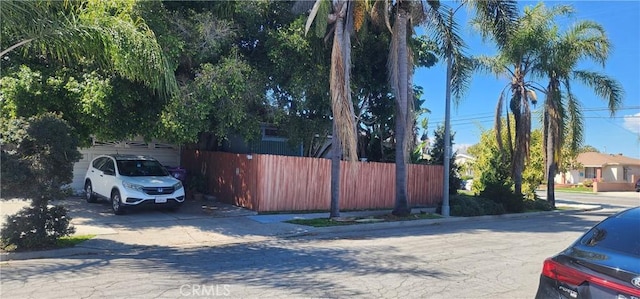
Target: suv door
x,y
107,178
94,172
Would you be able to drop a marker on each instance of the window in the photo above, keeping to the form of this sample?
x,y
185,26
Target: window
x,y
97,163
108,166
617,233
590,172
625,173
141,168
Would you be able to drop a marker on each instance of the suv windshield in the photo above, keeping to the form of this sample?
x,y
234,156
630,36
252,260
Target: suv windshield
x,y
141,168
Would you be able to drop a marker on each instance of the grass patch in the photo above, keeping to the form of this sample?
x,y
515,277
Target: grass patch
x,y
64,242
71,241
466,192
326,222
575,189
565,208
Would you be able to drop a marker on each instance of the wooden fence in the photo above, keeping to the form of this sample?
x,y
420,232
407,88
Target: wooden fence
x,y
279,183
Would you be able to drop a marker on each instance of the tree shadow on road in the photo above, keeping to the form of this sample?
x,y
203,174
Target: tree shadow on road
x,y
298,271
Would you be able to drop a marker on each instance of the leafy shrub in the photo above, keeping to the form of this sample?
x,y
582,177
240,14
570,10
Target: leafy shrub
x,y
466,206
538,205
587,183
23,229
37,162
501,193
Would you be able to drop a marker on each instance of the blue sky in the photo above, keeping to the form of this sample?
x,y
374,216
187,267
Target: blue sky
x,y
617,134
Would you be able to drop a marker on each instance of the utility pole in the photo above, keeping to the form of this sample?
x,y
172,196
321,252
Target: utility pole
x,y
447,124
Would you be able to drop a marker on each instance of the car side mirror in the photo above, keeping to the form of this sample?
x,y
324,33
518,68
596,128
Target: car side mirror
x,y
110,172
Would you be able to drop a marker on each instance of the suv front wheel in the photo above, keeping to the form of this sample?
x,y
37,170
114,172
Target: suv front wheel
x,y
116,203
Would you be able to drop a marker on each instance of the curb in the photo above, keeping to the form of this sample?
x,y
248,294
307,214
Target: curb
x,y
89,248
426,222
54,253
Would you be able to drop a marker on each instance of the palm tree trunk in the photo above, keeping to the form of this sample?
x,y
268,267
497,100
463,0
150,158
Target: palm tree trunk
x,y
550,166
344,127
335,174
522,116
552,136
402,97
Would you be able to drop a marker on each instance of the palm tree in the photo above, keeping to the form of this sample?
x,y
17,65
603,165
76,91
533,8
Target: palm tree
x,y
400,72
519,52
105,32
339,13
408,14
562,110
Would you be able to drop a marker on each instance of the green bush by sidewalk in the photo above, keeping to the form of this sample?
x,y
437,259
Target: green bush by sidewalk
x,y
462,205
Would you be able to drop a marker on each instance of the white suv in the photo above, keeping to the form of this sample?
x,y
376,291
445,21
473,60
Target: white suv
x,y
129,181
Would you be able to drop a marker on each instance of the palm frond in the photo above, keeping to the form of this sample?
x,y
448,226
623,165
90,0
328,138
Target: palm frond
x,y
341,104
604,86
392,63
586,38
104,32
575,120
312,15
321,22
489,65
495,18
461,76
498,122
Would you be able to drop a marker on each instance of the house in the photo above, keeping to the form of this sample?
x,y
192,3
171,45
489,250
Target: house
x,y
272,141
606,169
465,162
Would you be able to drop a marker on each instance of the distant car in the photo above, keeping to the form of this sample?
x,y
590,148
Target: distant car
x,y
128,181
603,263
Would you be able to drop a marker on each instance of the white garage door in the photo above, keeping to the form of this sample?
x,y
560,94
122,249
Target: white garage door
x,y
167,154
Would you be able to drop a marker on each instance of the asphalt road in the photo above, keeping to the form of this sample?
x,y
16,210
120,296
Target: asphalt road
x,y
488,258
604,199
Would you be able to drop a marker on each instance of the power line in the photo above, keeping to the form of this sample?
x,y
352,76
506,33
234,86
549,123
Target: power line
x,y
492,115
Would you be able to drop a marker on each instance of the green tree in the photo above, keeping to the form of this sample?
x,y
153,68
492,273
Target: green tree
x,y
108,33
37,161
588,148
107,107
437,156
219,100
533,174
488,159
302,106
563,121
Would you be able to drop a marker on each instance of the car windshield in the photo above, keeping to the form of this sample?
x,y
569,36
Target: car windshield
x,y
141,168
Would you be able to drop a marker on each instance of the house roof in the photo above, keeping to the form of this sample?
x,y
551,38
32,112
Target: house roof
x,y
594,159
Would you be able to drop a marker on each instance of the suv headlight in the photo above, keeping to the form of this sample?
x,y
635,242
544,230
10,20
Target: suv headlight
x,y
177,186
132,186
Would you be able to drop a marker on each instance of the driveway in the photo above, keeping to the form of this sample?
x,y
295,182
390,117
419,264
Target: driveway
x,y
197,223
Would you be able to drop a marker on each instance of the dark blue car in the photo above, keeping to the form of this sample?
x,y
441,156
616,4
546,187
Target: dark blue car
x,y
603,263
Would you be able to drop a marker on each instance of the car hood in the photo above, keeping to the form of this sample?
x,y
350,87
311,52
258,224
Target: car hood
x,y
151,181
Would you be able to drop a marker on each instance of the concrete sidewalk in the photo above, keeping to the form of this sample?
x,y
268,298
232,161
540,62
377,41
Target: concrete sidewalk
x,y
200,224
